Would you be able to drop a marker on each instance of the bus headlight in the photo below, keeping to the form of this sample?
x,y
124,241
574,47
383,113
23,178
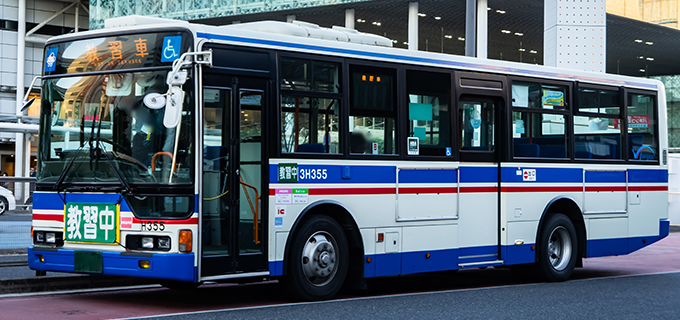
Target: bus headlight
x,y
147,242
40,237
50,237
164,243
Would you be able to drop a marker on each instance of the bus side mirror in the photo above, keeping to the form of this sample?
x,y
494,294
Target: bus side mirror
x,y
173,107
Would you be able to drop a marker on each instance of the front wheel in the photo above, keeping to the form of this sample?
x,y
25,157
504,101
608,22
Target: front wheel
x,y
557,249
4,206
318,259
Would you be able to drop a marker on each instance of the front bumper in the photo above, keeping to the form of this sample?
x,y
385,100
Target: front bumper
x,y
171,266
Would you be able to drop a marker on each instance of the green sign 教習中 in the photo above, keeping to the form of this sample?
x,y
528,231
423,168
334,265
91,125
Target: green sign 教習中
x,y
288,172
90,222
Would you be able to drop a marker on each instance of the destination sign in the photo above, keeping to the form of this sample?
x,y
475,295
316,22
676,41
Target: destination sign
x,y
115,52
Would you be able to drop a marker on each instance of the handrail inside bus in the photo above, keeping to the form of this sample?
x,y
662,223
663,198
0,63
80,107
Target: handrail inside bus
x,y
161,153
255,209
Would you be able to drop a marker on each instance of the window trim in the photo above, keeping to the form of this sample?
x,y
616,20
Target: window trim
x,y
453,108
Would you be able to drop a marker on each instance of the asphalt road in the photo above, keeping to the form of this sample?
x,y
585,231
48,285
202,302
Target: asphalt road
x,y
609,287
15,230
620,297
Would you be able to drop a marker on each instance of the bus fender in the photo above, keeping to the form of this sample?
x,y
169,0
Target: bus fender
x,y
569,207
343,216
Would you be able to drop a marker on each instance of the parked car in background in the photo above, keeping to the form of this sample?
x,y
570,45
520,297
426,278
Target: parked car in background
x,y
7,201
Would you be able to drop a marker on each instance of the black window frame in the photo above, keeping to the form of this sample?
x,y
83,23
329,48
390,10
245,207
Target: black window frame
x,y
398,112
340,97
622,116
567,112
453,109
655,110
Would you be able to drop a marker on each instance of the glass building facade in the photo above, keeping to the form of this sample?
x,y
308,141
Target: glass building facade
x,y
193,9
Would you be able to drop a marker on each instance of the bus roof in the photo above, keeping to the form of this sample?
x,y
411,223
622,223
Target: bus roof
x,y
239,34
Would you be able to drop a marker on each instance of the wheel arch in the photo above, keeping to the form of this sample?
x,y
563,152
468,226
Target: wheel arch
x,y
346,220
567,206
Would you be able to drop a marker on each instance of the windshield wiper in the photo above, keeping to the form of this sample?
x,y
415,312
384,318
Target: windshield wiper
x,y
116,170
63,174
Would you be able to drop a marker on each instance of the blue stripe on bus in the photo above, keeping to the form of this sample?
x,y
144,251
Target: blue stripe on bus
x,y
606,176
543,175
172,266
428,176
452,63
53,201
479,174
647,175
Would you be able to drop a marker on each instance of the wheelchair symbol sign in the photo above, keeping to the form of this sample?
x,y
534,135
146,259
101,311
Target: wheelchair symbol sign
x,y
171,48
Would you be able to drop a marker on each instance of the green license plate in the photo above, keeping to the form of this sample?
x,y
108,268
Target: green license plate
x,y
88,261
91,222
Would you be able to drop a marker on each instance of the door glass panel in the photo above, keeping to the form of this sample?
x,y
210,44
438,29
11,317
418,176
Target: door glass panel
x,y
250,172
477,126
216,224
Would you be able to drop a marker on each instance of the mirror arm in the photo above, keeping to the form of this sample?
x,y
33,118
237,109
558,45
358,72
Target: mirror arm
x,y
28,92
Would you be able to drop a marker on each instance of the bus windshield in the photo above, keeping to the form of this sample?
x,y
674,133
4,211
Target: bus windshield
x,y
91,123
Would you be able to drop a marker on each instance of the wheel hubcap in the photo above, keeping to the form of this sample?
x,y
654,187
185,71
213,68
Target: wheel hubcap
x,y
559,248
319,258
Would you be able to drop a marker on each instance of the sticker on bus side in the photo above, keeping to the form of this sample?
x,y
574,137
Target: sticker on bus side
x,y
529,175
300,195
283,196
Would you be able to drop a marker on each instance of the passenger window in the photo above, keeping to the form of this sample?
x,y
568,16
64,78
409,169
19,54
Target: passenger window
x,y
642,128
309,75
539,96
310,124
373,115
477,125
539,135
597,124
599,101
597,138
428,111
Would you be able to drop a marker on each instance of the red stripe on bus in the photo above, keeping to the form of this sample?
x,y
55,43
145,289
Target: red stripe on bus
x,y
541,189
48,217
350,191
185,221
648,188
605,189
427,190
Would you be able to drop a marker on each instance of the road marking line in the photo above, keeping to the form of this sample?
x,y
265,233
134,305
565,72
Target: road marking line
x,y
45,293
391,296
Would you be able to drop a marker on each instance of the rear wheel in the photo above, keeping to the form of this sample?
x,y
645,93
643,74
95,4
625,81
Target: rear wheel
x,y
557,249
318,259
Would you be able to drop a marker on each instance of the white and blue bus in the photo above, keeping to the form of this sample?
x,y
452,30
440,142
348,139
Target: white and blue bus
x,y
268,150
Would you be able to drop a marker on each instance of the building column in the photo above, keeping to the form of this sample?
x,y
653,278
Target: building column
x,y
413,26
19,141
575,35
470,27
482,29
349,18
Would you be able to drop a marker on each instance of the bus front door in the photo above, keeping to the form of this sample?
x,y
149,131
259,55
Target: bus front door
x,y
232,212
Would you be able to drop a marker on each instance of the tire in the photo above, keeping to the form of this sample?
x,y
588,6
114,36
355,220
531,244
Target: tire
x,y
180,285
4,206
557,249
318,261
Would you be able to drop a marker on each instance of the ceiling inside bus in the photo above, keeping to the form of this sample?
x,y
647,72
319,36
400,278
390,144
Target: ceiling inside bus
x,y
513,25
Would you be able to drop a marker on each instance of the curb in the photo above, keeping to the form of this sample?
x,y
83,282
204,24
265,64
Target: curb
x,y
675,228
40,284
